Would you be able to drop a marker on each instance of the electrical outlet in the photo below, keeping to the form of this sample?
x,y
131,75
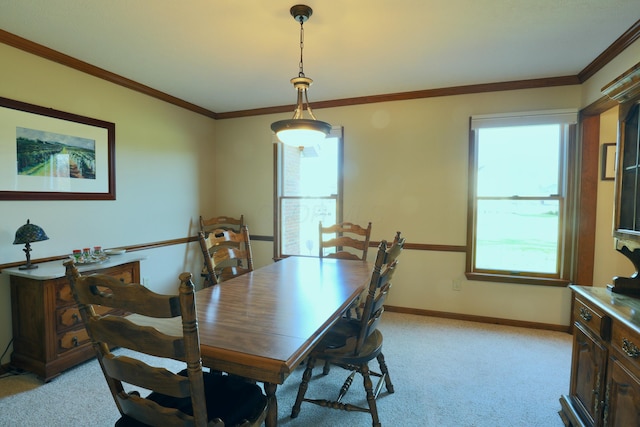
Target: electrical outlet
x,y
457,284
145,281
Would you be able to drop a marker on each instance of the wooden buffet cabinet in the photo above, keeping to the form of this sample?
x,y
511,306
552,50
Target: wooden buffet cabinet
x,y
48,335
605,364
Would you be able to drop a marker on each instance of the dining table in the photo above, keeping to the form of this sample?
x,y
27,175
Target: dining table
x,y
263,324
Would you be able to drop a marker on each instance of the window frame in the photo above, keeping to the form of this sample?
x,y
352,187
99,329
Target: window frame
x,y
336,132
567,197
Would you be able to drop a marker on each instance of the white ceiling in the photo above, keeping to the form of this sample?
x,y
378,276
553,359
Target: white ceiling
x,y
229,55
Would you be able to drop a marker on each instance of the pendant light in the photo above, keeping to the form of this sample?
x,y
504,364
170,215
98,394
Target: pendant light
x,y
298,131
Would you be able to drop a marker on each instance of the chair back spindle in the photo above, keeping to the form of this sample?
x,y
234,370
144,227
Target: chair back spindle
x,y
226,254
344,240
221,222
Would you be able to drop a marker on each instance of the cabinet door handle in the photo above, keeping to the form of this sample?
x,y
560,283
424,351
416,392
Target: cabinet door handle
x,y
630,348
74,341
585,314
75,317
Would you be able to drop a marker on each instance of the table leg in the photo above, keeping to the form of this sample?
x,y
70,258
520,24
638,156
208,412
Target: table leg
x,y
272,409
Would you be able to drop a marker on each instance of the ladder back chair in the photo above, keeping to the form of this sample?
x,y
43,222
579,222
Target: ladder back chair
x,y
226,254
352,343
221,222
355,309
186,398
346,241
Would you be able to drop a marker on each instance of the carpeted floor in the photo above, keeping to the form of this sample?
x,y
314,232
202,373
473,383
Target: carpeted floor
x,y
445,372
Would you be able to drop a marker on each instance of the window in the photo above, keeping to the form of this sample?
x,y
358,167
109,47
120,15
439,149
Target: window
x,y
521,197
308,190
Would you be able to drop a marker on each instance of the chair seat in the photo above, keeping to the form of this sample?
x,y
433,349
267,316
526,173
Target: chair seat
x,y
339,349
339,332
228,398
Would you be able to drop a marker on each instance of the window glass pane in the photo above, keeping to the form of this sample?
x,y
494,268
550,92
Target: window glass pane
x,y
518,161
517,235
312,171
300,219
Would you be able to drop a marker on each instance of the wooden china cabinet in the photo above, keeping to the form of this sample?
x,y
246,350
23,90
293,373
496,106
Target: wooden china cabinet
x,y
605,367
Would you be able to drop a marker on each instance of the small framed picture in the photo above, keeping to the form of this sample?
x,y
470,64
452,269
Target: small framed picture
x,y
608,172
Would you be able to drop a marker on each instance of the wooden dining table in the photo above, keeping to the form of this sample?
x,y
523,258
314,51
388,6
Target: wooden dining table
x,y
263,324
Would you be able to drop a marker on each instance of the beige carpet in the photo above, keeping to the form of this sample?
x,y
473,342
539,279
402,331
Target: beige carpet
x,y
445,372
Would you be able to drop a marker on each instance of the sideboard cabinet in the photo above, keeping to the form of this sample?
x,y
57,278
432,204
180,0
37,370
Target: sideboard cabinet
x,y
626,219
48,335
605,365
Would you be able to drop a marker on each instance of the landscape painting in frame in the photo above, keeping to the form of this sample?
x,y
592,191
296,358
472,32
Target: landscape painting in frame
x,y
47,154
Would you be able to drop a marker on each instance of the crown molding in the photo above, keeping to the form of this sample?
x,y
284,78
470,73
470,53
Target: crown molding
x,y
71,62
625,40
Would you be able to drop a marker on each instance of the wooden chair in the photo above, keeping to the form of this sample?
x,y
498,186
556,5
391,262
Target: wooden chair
x,y
352,343
226,254
221,222
187,398
344,236
346,241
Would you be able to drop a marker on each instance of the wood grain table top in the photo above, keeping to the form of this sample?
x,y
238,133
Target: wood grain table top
x,y
262,325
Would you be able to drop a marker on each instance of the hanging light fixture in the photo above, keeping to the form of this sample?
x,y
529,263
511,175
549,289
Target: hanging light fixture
x,y
299,131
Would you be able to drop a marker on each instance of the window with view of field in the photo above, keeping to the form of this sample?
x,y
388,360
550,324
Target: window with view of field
x,y
520,197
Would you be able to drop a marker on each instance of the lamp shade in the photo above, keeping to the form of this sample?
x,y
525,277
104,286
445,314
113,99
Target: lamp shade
x,y
29,233
301,132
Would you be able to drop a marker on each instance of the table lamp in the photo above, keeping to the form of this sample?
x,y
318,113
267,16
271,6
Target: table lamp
x,y
26,234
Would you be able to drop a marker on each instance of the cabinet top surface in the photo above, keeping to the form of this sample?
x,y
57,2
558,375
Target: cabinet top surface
x,y
55,269
625,308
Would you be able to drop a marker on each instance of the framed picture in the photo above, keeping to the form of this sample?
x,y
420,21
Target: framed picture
x,y
46,154
608,168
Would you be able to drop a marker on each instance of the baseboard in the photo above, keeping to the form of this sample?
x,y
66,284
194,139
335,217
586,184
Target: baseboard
x,y
481,319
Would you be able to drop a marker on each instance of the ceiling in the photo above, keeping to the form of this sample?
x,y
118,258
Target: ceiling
x,y
229,55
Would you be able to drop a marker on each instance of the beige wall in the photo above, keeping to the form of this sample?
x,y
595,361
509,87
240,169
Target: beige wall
x,y
406,169
412,154
161,170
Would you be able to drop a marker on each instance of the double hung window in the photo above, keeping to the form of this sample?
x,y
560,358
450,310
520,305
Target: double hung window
x,y
521,197
308,190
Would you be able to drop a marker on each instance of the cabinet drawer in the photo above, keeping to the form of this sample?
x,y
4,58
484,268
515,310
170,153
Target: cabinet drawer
x,y
68,317
592,318
72,339
625,340
124,273
64,296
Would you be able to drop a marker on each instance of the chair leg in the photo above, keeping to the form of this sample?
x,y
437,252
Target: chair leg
x,y
326,368
384,370
371,399
304,384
